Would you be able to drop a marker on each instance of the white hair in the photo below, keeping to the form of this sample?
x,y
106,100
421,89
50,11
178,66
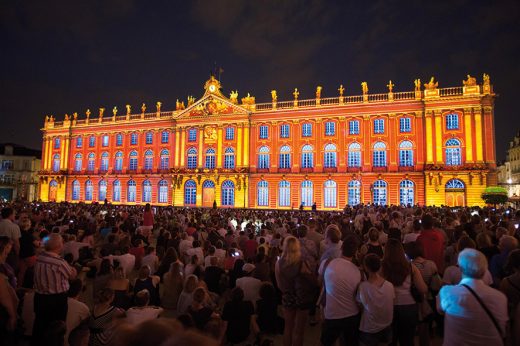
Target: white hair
x,y
472,263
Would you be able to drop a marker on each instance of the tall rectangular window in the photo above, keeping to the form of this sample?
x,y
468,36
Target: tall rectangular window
x,y
264,132
105,141
379,126
192,135
284,131
133,139
353,127
57,143
92,141
330,128
405,125
230,133
307,130
149,137
79,142
119,139
452,122
165,137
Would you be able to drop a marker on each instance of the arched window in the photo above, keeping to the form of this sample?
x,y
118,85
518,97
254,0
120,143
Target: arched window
x,y
284,193
330,194
190,192
118,166
229,158
453,153
210,158
78,162
133,161
91,164
406,192
192,158
354,155
285,157
354,192
116,195
307,193
76,190
165,159
379,155
102,190
263,157
132,191
56,163
104,162
148,160
147,191
455,184
263,193
119,140
406,154
307,156
89,190
380,192
163,191
228,193
329,159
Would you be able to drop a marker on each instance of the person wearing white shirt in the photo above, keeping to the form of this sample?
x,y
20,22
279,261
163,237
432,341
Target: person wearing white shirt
x,y
150,259
196,250
126,261
142,311
466,320
249,284
72,246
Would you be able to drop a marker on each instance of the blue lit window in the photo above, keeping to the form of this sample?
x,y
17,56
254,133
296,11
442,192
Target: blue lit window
x,y
102,190
379,126
354,155
405,124
78,162
192,135
307,156
453,153
379,155
307,130
330,128
119,139
132,191
406,154
92,141
228,193
263,194
133,138
230,133
133,161
147,191
89,190
354,192
210,158
452,121
192,158
264,133
229,158
116,196
284,193
165,137
263,158
56,143
330,194
406,192
329,159
284,131
163,191
380,192
455,184
148,160
285,157
79,142
91,164
190,192
118,166
307,194
165,159
104,141
149,137
76,190
104,162
353,127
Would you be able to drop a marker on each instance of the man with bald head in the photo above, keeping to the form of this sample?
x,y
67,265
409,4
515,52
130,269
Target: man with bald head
x,y
51,281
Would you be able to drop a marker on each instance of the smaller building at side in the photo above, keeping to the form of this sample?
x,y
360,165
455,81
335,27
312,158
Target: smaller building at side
x,y
19,172
509,170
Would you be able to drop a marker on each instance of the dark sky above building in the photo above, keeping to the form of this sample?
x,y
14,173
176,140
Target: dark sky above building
x,y
66,56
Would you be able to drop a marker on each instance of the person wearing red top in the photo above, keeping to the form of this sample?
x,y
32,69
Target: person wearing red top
x,y
432,241
148,221
250,247
138,251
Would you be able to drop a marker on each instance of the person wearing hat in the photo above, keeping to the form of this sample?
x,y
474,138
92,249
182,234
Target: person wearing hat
x,y
249,284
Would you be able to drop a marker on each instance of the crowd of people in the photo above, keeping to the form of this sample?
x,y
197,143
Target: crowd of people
x,y
101,274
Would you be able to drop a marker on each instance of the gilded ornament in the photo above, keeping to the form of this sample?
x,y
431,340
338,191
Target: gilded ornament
x,y
318,91
274,97
114,111
364,88
101,111
417,83
471,81
128,109
210,133
233,96
191,100
143,108
390,86
431,85
295,94
158,105
485,77
341,90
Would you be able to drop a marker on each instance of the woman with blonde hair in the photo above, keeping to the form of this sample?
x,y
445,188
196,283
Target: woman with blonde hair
x,y
173,281
120,284
292,279
186,296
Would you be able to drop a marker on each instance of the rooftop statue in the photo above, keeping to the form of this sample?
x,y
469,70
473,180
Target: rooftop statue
x,y
128,109
114,111
341,90
101,111
233,96
471,81
431,85
417,83
158,105
364,87
485,77
296,93
274,97
318,92
143,108
390,86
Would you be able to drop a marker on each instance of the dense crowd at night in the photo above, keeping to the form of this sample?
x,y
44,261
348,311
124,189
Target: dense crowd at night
x,y
101,274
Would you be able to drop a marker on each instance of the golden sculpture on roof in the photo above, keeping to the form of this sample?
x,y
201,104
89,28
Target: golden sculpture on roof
x,y
341,90
75,115
128,109
364,87
296,94
318,91
233,96
390,86
248,100
210,133
471,81
417,83
114,111
274,97
101,111
485,77
66,117
143,108
432,84
87,113
158,105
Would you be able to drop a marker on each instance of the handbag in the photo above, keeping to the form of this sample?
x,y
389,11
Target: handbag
x,y
417,296
306,287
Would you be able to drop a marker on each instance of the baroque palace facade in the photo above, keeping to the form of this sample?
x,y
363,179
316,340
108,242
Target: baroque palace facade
x,y
429,146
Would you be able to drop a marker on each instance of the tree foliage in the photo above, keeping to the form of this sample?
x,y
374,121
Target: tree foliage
x,y
495,195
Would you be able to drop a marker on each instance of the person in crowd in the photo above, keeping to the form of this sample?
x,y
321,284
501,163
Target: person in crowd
x,y
200,313
102,320
497,266
432,241
510,286
142,311
239,314
148,222
29,243
267,319
416,231
138,251
249,284
173,282
10,229
78,313
262,267
474,312
373,245
146,281
169,257
213,275
103,276
8,297
486,246
331,243
126,260
121,286
186,297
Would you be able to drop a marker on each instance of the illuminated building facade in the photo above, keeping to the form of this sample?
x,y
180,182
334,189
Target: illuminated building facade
x,y
429,146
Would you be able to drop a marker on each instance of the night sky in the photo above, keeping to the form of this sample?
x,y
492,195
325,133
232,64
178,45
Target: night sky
x,y
66,56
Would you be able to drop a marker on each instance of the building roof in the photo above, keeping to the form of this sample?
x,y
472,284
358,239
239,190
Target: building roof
x,y
19,150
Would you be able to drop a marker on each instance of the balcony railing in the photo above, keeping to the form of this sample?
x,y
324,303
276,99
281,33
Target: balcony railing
x,y
380,169
330,169
306,169
406,168
353,169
